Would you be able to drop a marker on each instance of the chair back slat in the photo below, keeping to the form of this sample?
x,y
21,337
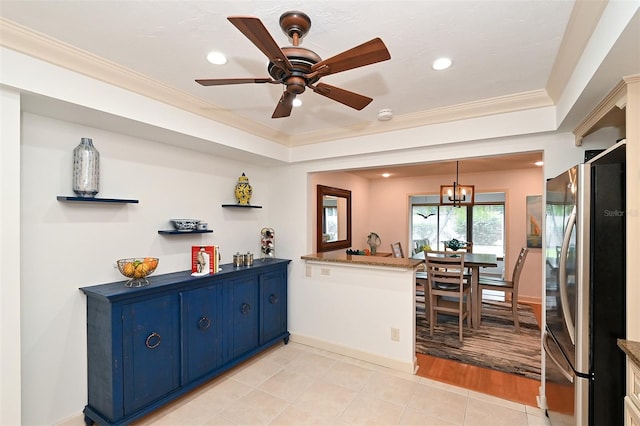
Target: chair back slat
x,y
517,269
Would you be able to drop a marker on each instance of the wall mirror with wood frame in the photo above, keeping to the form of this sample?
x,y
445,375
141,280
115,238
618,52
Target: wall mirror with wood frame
x,y
333,231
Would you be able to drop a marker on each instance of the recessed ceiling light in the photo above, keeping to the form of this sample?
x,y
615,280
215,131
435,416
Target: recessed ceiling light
x,y
216,58
386,175
539,163
297,102
441,64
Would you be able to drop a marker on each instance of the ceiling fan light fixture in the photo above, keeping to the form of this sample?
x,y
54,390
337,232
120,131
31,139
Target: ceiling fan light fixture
x,y
441,64
216,58
297,102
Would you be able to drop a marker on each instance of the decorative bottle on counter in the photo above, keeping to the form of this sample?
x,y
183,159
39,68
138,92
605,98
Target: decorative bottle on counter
x,y
243,190
86,169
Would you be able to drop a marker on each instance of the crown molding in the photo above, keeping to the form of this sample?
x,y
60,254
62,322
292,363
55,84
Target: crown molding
x,y
492,106
615,99
29,42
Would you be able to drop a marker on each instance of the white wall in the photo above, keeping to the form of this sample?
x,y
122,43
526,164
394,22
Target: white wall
x,y
351,309
9,257
69,245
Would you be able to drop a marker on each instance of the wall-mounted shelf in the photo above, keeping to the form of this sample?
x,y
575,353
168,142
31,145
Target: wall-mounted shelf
x,y
242,206
174,232
65,198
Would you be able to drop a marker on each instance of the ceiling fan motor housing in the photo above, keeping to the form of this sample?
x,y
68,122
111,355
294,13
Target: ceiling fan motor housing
x,y
301,60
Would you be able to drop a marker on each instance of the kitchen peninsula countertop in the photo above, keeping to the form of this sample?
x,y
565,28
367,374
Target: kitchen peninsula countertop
x,y
632,349
342,257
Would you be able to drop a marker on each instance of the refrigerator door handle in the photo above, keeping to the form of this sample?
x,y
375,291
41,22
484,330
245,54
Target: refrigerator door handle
x,y
565,372
564,297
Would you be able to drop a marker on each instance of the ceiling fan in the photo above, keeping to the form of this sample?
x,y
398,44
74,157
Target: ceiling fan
x,y
297,67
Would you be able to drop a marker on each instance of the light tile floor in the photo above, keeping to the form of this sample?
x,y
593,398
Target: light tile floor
x,y
298,385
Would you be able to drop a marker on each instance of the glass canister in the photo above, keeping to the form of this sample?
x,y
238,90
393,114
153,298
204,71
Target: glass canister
x,y
86,169
238,260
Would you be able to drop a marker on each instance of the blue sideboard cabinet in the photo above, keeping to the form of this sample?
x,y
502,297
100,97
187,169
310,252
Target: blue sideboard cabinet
x,y
147,346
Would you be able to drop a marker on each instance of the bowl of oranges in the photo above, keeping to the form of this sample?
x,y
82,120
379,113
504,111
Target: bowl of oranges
x,y
137,269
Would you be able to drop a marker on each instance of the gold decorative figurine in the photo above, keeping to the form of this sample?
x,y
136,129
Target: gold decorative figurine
x,y
243,190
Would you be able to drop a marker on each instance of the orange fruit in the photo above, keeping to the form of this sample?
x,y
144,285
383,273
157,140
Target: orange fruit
x,y
151,262
141,270
128,269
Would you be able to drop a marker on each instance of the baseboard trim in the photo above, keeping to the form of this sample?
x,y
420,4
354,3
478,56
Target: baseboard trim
x,y
394,364
529,300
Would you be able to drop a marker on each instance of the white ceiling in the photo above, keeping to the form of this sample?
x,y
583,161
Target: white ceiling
x,y
500,50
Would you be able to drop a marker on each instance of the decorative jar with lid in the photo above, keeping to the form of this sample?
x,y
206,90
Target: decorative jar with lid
x,y
243,190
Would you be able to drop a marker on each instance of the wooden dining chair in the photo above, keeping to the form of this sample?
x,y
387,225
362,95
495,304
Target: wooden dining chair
x,y
509,287
396,249
449,292
421,285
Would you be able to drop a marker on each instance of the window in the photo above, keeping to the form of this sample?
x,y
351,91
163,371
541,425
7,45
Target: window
x,y
330,225
483,224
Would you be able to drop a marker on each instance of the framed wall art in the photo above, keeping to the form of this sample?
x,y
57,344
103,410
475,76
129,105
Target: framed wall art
x,y
534,221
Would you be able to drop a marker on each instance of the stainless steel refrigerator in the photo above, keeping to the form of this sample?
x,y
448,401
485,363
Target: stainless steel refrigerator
x,y
585,292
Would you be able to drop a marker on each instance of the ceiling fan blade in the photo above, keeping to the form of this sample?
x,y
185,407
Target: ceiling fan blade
x,y
345,97
224,81
285,105
256,32
365,54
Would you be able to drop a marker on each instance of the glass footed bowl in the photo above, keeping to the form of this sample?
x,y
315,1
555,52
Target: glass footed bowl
x,y
137,269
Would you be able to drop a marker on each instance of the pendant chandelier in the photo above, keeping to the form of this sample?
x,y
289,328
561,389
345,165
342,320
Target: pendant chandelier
x,y
457,195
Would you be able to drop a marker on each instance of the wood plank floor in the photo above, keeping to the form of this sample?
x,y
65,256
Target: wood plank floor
x,y
507,386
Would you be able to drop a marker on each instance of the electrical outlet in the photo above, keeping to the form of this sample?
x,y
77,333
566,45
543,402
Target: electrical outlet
x,y
308,271
395,334
325,271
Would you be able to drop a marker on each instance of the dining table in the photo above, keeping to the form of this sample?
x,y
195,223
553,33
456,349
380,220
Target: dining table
x,y
473,261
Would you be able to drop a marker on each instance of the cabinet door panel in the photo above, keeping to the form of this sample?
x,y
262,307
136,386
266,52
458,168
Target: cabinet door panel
x,y
273,305
244,313
202,329
151,350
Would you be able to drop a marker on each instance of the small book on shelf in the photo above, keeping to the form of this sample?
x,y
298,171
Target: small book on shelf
x,y
204,260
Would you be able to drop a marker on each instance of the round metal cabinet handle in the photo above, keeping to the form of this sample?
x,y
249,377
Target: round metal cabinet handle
x,y
273,299
204,323
245,308
155,338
